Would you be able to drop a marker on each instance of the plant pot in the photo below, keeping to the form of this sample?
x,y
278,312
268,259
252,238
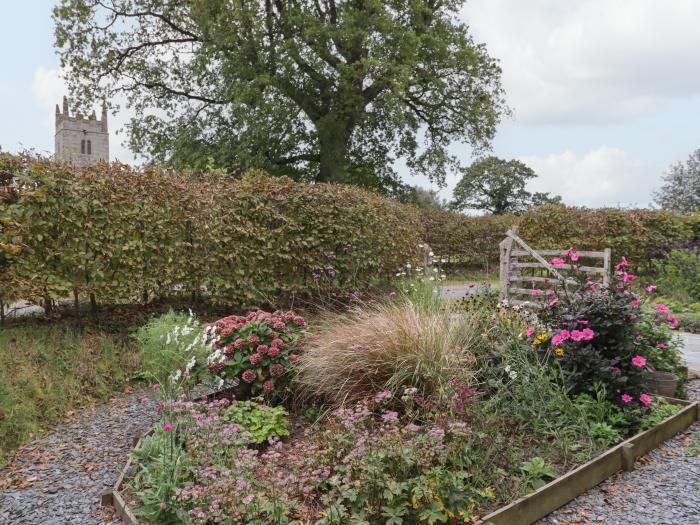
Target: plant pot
x,y
663,383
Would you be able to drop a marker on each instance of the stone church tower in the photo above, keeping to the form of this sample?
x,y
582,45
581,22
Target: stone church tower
x,y
81,141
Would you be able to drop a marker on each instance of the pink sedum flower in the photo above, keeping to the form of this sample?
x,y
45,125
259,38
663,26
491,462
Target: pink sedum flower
x,y
239,343
646,400
255,359
273,352
249,376
639,361
626,398
253,339
293,358
268,386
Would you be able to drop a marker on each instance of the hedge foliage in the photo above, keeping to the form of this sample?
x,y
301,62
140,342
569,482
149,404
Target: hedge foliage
x,y
637,234
126,236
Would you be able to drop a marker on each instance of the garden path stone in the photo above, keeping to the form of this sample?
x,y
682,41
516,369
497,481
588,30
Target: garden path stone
x,y
57,479
663,489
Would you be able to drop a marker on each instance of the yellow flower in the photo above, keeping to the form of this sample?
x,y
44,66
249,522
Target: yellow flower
x,y
536,342
559,351
543,337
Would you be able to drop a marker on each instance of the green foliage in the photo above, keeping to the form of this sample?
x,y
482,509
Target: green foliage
x,y
262,422
121,236
47,371
167,343
330,92
677,273
497,186
660,411
537,472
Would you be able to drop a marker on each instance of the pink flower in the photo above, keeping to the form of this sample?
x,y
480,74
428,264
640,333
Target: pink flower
x,y
651,288
276,370
390,417
558,262
167,427
635,303
576,335
557,340
530,331
637,336
239,343
143,400
249,376
262,349
663,346
575,256
627,277
155,386
553,302
273,352
582,321
278,343
253,339
622,263
536,292
662,308
568,252
299,320
163,505
268,386
255,359
588,334
639,361
646,399
626,398
672,319
293,358
615,370
565,334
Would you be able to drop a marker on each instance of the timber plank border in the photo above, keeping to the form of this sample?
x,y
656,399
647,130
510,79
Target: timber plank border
x,y
539,503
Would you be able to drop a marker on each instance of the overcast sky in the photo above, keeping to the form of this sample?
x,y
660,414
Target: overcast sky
x,y
605,93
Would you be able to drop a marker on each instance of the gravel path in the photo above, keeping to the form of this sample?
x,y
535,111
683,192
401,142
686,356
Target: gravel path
x,y
57,480
663,490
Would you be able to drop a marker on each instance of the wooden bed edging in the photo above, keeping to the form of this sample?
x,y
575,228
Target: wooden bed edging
x,y
536,505
543,501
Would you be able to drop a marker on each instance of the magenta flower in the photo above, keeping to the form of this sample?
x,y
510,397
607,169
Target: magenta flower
x,y
553,302
663,346
627,277
651,288
622,263
626,398
635,303
557,262
155,386
167,427
530,331
662,308
575,256
249,376
565,334
536,292
576,335
646,399
582,321
639,361
615,370
672,319
557,340
143,400
588,334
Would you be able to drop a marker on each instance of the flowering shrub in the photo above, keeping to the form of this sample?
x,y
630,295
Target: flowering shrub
x,y
594,334
257,350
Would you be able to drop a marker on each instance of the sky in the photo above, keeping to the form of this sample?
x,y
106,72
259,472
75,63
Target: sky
x,y
605,93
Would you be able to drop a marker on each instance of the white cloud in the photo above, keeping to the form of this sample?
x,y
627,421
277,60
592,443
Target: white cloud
x,y
590,61
601,177
48,89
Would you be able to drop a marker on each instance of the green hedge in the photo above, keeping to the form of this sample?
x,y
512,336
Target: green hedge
x,y
636,234
127,236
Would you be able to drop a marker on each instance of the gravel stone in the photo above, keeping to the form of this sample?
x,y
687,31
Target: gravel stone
x,y
58,479
664,488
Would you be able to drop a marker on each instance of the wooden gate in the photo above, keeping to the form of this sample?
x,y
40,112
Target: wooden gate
x,y
516,274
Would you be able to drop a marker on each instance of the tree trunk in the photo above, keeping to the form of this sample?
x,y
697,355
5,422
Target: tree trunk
x,y
333,139
93,303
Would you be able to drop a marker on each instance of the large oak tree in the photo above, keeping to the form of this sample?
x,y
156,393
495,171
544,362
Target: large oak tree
x,y
324,90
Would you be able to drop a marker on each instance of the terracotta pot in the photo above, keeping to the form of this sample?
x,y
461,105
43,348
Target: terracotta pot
x,y
663,383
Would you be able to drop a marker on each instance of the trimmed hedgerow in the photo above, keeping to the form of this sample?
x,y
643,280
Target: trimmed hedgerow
x,y
124,236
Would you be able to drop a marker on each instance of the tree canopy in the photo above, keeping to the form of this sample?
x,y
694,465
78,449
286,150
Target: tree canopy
x,y
323,90
498,186
681,188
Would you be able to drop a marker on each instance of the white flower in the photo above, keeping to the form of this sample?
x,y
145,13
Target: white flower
x,y
221,383
213,357
176,377
431,254
512,374
507,368
168,340
408,265
191,363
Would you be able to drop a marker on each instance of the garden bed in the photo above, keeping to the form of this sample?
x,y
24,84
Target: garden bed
x,y
525,510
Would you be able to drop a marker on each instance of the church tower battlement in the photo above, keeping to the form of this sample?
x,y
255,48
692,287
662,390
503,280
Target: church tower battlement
x,y
81,141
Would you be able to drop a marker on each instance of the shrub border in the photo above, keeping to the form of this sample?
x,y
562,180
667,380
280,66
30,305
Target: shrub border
x,y
534,506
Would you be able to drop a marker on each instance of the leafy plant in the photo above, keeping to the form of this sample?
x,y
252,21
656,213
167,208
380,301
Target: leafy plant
x,y
537,472
661,410
261,422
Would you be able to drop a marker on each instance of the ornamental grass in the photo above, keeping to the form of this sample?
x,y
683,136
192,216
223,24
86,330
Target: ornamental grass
x,y
388,346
